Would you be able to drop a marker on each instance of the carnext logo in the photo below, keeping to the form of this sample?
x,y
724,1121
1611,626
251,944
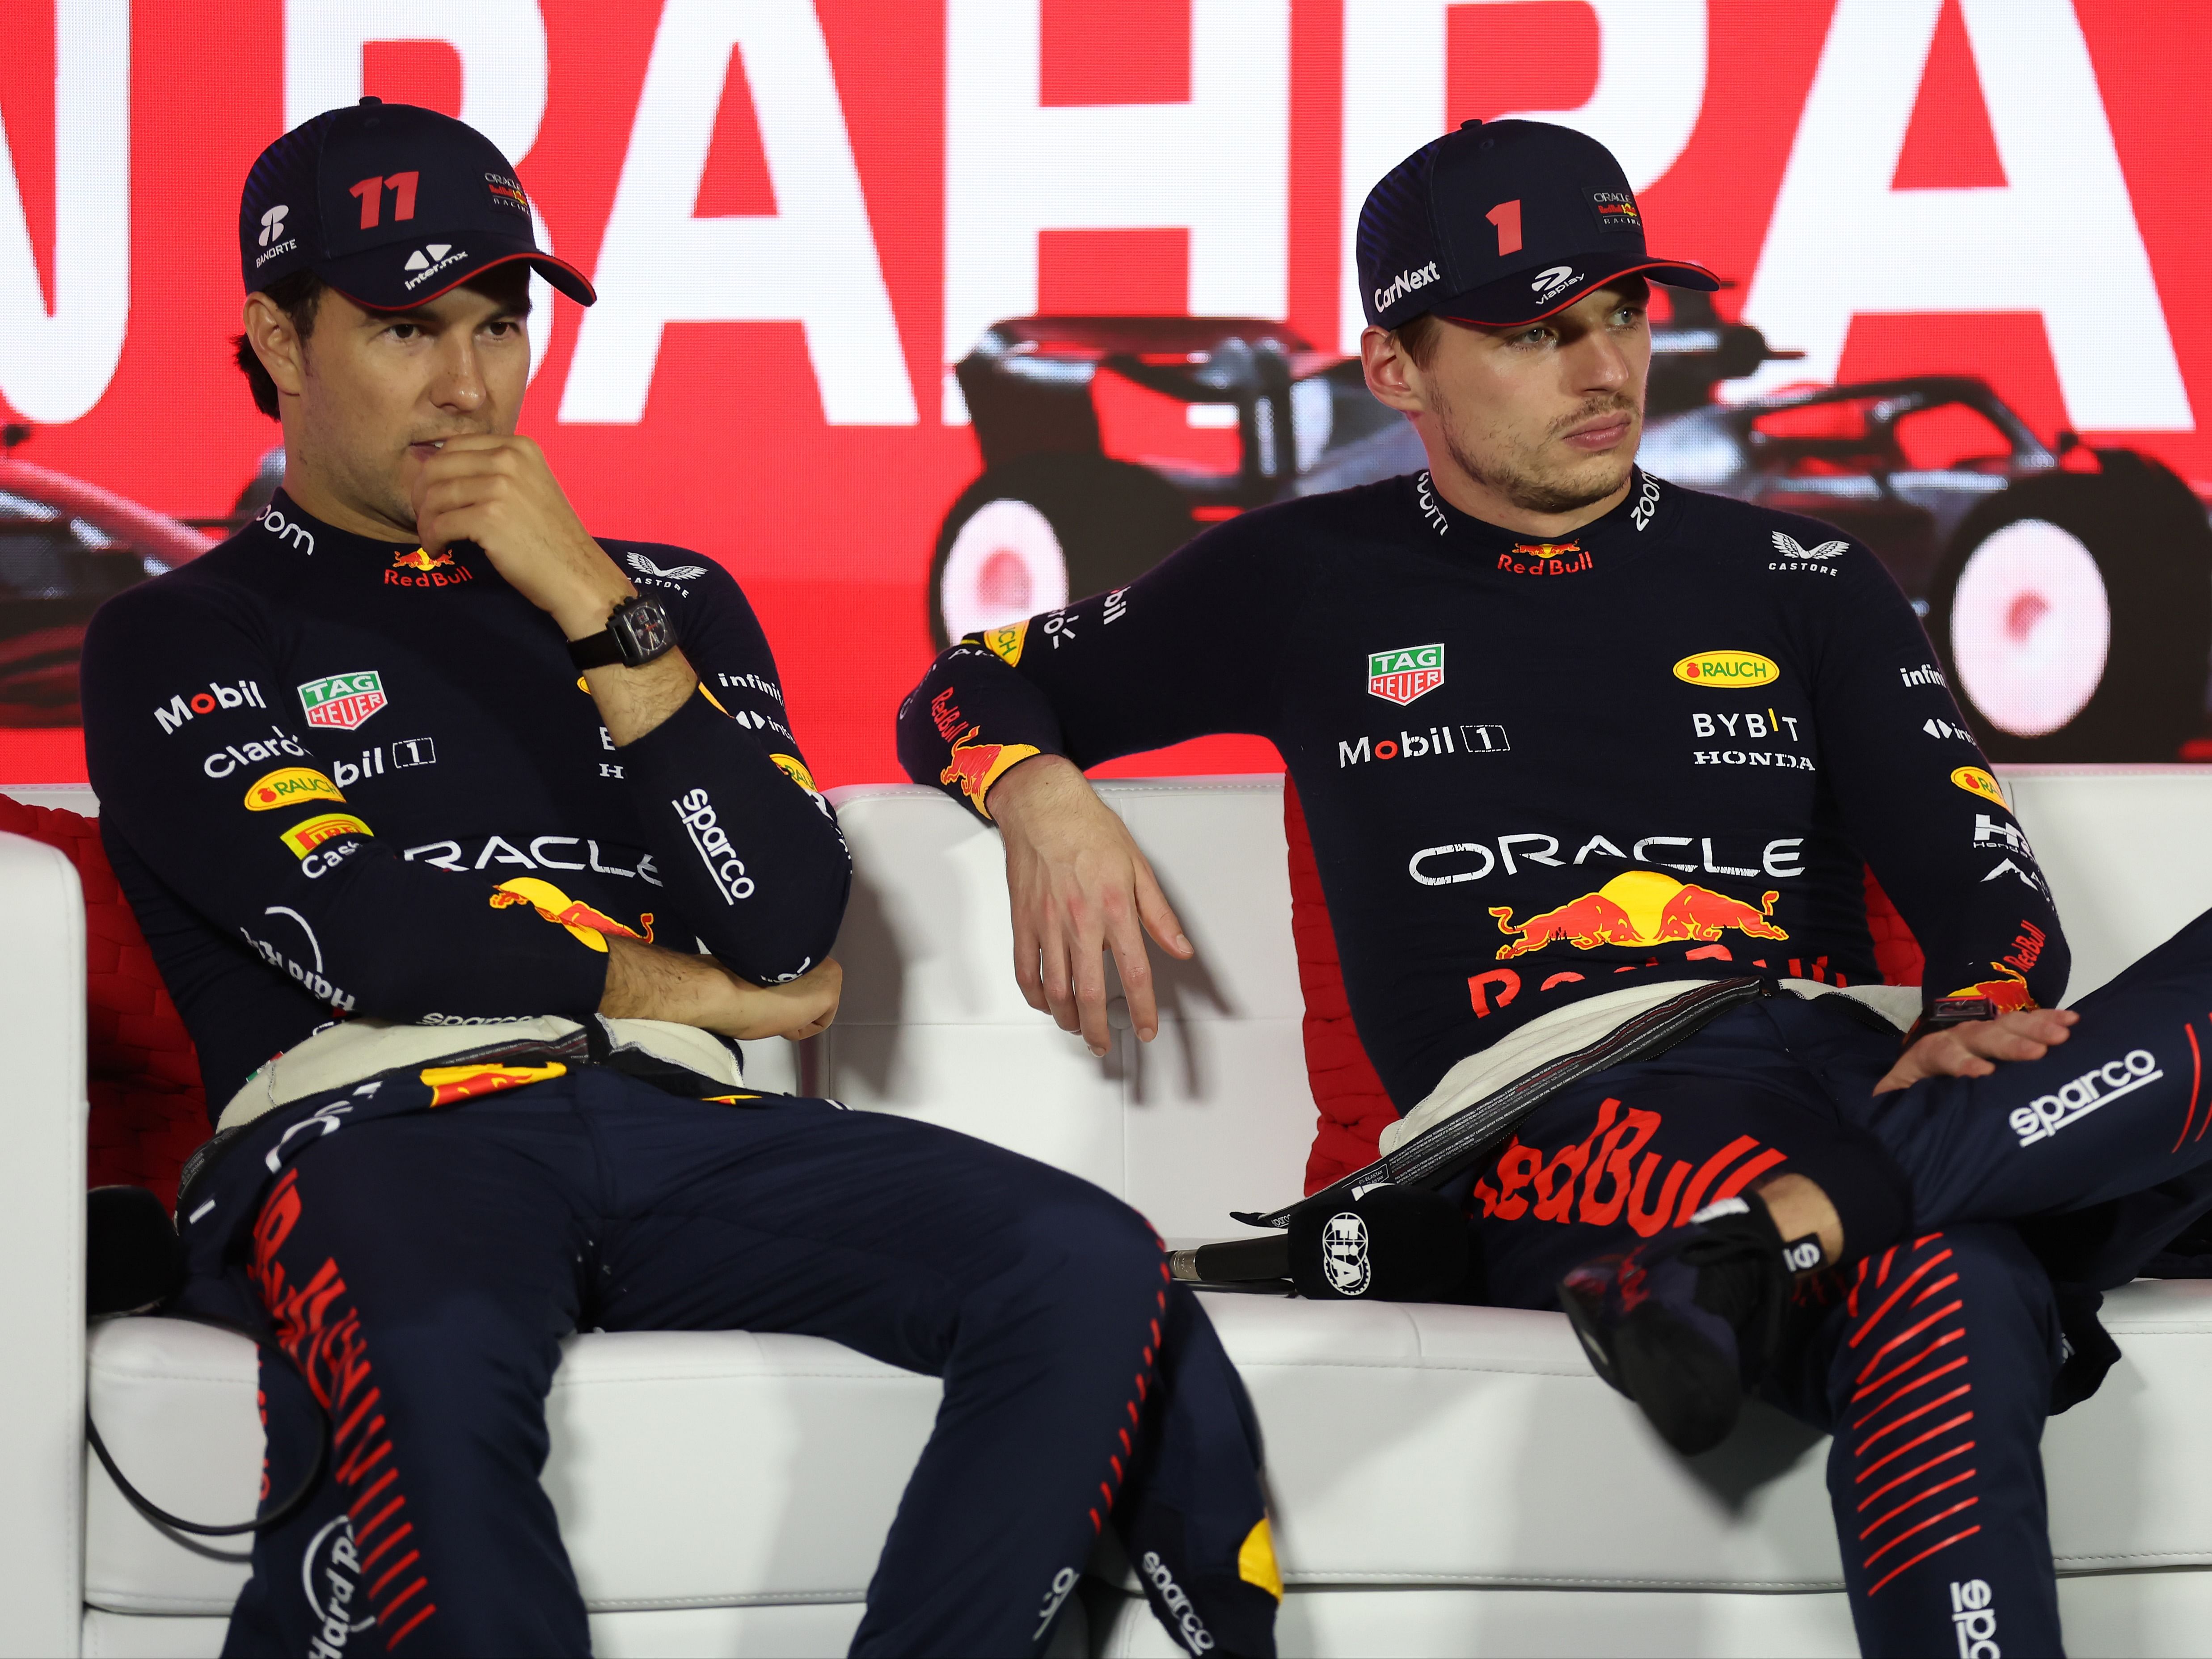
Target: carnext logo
x,y
1406,282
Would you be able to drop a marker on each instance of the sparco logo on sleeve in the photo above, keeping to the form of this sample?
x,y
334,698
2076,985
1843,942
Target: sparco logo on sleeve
x,y
2046,1114
1195,1635
723,867
1975,1620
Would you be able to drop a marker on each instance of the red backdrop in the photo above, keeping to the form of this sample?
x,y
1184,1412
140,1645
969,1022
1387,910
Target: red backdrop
x,y
2001,187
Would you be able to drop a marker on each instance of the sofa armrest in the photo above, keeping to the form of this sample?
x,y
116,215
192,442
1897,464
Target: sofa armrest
x,y
43,1122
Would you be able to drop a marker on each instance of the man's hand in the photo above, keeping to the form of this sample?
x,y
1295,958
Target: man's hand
x,y
1079,885
645,982
1974,1049
499,494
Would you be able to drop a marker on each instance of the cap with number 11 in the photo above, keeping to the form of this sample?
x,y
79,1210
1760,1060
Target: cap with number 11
x,y
390,204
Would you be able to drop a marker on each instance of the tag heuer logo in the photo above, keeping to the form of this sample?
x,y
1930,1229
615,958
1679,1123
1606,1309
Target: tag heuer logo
x,y
1401,676
343,701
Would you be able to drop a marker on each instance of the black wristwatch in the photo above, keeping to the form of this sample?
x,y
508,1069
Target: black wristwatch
x,y
1947,1011
639,631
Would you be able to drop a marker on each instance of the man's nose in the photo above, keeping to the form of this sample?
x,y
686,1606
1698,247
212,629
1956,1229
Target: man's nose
x,y
460,383
1598,363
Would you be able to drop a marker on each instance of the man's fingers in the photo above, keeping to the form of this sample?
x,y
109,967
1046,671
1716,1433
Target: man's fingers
x,y
1091,995
1159,917
1027,976
1127,941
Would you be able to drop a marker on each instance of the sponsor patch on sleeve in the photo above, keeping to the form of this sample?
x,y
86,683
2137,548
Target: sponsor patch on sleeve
x,y
976,766
795,769
1005,643
287,785
1975,781
308,833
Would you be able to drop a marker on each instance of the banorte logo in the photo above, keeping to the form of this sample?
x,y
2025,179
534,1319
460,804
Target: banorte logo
x,y
1637,907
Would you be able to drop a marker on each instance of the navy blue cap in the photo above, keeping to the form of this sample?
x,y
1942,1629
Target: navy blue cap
x,y
1502,223
390,204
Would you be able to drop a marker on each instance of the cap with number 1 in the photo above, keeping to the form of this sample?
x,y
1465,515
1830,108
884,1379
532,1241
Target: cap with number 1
x,y
1502,223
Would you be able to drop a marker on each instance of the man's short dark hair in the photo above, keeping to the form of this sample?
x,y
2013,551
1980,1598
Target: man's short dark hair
x,y
296,296
1417,338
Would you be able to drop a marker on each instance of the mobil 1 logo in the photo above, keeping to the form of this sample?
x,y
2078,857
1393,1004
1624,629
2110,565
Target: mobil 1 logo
x,y
1425,745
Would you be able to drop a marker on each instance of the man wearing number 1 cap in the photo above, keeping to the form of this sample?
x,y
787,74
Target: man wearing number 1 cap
x,y
1595,768
471,846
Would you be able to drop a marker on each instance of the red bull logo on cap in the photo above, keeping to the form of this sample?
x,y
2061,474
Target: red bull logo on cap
x,y
1728,670
1637,907
585,925
1409,672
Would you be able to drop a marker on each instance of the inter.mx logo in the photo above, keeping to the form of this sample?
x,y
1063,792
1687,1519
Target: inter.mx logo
x,y
1409,673
342,702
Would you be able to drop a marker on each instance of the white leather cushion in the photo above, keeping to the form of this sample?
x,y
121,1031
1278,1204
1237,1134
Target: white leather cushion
x,y
1407,1444
688,1469
1411,1444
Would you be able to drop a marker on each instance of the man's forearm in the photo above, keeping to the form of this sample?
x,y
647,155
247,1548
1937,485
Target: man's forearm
x,y
634,700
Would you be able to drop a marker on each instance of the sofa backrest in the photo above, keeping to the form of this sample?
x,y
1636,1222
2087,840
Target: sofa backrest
x,y
1216,1115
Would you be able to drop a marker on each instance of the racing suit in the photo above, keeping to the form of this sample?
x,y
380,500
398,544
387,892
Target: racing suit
x,y
347,780
1661,749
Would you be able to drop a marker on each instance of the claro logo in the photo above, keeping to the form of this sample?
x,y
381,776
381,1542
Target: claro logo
x,y
723,867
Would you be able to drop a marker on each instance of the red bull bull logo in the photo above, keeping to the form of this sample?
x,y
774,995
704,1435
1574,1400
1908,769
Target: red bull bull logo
x,y
585,925
2008,993
450,1084
431,570
976,766
1639,906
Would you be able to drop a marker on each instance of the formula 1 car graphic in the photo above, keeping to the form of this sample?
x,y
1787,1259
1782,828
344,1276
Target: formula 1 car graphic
x,y
2067,590
65,546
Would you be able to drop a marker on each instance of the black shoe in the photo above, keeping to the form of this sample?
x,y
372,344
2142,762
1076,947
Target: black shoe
x,y
1685,1324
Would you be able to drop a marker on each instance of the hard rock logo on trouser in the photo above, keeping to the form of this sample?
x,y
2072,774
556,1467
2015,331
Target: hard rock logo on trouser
x,y
318,1326
1600,1181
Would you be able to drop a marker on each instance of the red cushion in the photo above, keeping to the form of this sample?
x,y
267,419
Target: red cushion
x,y
149,1109
1354,1108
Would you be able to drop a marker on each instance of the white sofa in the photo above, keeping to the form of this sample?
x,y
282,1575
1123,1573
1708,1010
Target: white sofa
x,y
1445,1480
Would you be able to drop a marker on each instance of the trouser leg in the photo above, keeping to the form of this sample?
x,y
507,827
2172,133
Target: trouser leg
x,y
419,1274
2119,1108
1042,1302
1934,1374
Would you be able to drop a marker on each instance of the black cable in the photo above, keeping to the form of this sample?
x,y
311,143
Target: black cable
x,y
161,1517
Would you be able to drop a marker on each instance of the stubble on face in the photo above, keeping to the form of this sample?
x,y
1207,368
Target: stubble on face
x,y
1540,475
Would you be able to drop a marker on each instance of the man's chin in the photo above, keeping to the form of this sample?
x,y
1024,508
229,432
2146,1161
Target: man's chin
x,y
1584,483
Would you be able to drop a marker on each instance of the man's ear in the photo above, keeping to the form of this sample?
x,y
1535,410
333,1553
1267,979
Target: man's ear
x,y
277,343
1392,376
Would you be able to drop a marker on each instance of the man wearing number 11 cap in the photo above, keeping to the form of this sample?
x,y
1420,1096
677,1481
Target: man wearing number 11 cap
x,y
472,846
1595,768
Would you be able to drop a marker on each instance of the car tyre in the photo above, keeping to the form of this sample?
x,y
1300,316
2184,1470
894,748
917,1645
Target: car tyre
x,y
1029,536
2073,615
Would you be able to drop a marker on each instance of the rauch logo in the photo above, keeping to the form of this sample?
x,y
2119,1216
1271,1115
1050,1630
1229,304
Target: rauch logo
x,y
1727,670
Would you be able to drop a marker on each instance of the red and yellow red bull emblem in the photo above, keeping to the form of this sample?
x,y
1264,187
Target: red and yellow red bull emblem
x,y
976,766
287,785
431,570
450,1084
2007,992
585,925
308,833
1637,907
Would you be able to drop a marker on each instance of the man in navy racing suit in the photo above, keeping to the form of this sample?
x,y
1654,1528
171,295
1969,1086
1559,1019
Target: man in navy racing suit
x,y
1571,741
466,845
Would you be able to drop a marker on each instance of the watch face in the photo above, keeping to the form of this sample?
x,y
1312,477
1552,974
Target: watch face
x,y
643,628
